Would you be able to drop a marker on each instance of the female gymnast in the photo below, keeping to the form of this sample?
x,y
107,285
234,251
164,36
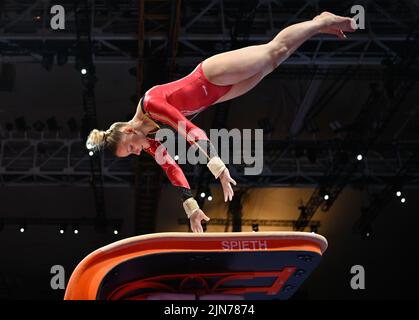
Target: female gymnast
x,y
219,78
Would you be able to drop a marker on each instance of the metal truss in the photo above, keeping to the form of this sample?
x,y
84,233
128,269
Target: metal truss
x,y
207,28
53,160
367,128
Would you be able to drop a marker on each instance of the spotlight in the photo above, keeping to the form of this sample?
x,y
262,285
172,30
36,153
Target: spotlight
x,y
359,157
202,194
176,157
209,198
116,228
75,229
91,153
367,232
83,71
62,229
398,193
22,228
326,197
255,227
403,200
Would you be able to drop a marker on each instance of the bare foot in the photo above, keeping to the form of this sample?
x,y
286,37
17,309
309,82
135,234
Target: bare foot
x,y
336,25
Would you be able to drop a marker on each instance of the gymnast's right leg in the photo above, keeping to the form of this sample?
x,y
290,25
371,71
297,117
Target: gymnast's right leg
x,y
251,64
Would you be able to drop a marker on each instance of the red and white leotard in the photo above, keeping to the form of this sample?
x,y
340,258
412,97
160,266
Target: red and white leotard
x,y
169,104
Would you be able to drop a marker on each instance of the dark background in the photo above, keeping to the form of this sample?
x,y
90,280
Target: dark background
x,y
329,102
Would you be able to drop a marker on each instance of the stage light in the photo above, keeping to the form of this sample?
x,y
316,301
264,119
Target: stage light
x,y
367,232
176,157
75,229
403,200
398,193
209,198
255,227
22,228
203,194
326,197
91,153
359,157
83,71
116,229
62,229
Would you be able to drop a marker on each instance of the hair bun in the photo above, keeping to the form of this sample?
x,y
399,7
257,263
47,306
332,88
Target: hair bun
x,y
96,139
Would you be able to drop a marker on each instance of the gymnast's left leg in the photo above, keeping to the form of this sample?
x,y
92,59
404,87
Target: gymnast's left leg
x,y
250,64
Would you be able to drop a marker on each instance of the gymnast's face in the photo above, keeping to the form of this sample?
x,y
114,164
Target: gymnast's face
x,y
133,141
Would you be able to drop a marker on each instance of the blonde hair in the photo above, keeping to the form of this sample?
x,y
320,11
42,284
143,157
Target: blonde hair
x,y
99,139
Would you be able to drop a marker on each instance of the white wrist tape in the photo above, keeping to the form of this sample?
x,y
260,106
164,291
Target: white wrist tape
x,y
190,205
216,166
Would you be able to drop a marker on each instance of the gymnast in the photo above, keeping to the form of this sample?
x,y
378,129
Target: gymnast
x,y
218,78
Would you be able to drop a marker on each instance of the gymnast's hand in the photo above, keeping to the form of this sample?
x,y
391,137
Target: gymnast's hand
x,y
196,219
225,180
336,25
